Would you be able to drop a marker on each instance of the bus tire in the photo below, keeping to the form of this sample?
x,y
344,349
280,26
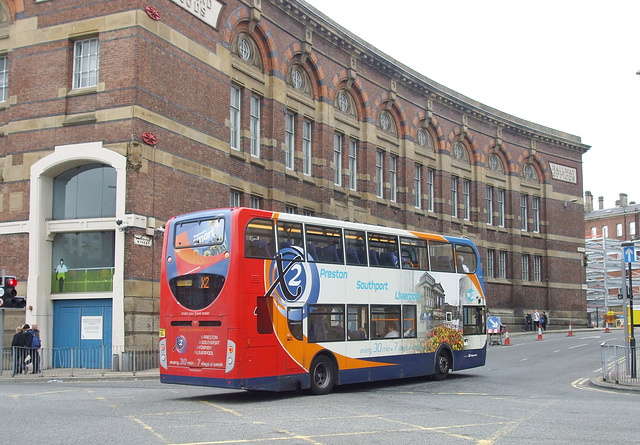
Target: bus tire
x,y
323,375
443,365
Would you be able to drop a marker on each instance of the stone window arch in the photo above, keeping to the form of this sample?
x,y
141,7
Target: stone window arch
x,y
387,123
424,139
345,104
494,164
460,153
298,79
530,173
244,48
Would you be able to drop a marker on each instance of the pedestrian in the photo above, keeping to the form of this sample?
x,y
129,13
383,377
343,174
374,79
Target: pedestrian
x,y
528,326
544,320
36,344
18,350
536,319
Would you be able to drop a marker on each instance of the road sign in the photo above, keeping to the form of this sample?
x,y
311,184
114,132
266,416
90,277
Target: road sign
x,y
629,254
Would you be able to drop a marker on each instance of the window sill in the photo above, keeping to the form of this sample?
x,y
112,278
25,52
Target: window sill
x,y
235,153
82,91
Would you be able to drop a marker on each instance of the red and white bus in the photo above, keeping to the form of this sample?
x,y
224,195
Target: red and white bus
x,y
259,300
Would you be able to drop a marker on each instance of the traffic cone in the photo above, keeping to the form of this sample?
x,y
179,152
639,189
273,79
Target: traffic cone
x,y
570,334
606,330
506,337
539,333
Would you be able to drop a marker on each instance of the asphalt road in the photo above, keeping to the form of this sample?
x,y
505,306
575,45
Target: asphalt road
x,y
532,391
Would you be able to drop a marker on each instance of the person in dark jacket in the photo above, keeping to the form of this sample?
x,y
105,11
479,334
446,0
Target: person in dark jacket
x,y
18,350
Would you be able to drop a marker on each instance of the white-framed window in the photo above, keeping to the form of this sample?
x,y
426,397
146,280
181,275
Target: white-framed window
x,y
537,268
289,140
466,198
306,212
4,78
502,264
306,148
393,178
454,196
234,118
337,159
489,201
234,199
417,186
523,212
491,253
501,208
632,229
605,231
254,202
379,174
290,209
353,165
619,229
535,213
430,191
525,267
255,126
86,61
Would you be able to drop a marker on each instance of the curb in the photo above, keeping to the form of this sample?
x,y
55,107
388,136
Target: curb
x,y
599,381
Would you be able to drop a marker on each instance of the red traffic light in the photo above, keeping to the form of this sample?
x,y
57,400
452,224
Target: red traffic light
x,y
12,282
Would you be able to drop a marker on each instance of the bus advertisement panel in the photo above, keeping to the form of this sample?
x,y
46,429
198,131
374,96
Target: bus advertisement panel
x,y
261,300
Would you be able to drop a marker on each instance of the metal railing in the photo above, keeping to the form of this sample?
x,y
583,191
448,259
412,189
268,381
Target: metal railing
x,y
617,364
73,362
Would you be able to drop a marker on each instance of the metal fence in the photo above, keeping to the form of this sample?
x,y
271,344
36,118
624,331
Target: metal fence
x,y
72,362
617,362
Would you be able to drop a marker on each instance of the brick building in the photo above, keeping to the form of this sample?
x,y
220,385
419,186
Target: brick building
x,y
116,115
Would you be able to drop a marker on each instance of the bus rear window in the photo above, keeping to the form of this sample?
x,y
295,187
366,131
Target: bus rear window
x,y
206,232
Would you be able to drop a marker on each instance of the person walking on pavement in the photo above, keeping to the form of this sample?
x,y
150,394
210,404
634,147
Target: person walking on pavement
x,y
528,326
536,319
18,348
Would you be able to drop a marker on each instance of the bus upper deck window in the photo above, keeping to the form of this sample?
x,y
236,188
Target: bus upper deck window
x,y
466,259
259,239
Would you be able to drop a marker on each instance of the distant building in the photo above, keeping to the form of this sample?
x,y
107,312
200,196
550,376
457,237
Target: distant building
x,y
619,222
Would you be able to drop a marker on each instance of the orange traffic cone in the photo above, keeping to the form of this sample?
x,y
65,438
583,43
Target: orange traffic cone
x,y
539,333
570,334
506,337
606,330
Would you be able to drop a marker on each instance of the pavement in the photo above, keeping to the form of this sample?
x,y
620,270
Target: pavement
x,y
68,375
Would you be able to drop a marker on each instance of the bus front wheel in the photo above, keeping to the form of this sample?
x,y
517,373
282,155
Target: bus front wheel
x,y
323,375
443,365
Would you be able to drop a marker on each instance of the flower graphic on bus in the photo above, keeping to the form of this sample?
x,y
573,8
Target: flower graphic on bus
x,y
443,334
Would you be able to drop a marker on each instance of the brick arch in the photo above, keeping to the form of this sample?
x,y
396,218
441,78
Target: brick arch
x,y
239,22
502,151
312,65
433,125
469,138
398,113
541,166
357,90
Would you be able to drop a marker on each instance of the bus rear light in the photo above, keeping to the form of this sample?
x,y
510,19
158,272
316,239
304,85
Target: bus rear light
x,y
226,255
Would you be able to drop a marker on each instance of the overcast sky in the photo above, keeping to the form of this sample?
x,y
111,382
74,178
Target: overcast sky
x,y
565,64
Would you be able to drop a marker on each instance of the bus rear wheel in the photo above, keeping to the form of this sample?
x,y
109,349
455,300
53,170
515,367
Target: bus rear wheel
x,y
323,375
443,365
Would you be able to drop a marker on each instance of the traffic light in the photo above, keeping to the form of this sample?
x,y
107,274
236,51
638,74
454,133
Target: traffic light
x,y
8,294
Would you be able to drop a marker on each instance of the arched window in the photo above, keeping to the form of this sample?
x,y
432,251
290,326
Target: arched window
x,y
88,191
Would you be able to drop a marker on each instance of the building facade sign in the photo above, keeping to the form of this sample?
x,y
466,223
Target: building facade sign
x,y
563,173
206,10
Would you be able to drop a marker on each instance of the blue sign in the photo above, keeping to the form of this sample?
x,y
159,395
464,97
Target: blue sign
x,y
493,323
629,253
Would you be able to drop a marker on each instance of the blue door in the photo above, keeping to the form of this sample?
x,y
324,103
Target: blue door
x,y
82,333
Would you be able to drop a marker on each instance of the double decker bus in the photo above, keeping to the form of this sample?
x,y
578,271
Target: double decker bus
x,y
259,300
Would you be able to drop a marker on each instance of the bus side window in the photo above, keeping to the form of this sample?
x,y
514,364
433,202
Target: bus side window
x,y
355,247
466,259
414,254
259,239
409,321
294,318
441,257
289,235
326,242
357,322
385,321
384,250
326,323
